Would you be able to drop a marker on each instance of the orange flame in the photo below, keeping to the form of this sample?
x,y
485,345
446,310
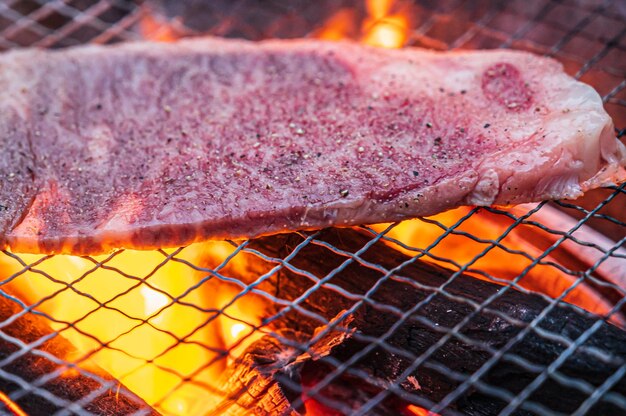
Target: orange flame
x,y
154,28
342,25
501,263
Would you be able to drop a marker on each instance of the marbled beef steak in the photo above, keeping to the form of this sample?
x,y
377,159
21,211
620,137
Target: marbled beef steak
x,y
146,145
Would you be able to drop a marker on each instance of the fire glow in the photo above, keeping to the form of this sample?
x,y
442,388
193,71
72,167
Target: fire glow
x,y
168,332
151,328
382,27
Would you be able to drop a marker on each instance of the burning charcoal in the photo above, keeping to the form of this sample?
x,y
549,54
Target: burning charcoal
x,y
252,379
446,302
70,385
259,377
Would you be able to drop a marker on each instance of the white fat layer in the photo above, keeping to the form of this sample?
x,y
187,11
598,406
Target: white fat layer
x,y
486,189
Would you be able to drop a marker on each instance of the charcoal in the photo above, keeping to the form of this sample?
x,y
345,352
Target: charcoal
x,y
447,301
30,365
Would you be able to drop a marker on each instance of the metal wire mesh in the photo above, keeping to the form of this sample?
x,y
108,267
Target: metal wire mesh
x,y
174,326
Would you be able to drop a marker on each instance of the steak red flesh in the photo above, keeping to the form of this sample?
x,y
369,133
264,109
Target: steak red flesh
x,y
150,145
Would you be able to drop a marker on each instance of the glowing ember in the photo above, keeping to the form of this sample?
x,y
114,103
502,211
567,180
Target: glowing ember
x,y
11,405
419,411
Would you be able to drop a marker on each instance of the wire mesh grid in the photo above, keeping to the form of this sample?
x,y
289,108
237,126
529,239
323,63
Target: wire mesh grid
x,y
349,321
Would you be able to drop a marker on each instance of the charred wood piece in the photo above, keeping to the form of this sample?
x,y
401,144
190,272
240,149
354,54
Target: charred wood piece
x,y
71,385
487,330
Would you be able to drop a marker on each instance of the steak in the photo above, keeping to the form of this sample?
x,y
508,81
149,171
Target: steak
x,y
146,145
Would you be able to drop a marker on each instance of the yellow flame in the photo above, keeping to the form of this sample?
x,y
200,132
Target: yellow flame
x,y
153,301
237,329
382,28
148,330
377,9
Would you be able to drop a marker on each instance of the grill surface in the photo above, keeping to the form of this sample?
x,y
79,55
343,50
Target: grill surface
x,y
587,36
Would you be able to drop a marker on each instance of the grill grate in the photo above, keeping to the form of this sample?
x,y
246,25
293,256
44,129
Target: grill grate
x,y
572,251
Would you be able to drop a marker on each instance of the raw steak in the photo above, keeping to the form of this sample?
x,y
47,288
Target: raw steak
x,y
146,145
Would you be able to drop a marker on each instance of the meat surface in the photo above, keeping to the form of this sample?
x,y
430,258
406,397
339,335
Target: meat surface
x,y
145,145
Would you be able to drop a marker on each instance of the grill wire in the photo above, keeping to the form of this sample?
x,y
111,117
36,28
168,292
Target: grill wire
x,y
588,36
